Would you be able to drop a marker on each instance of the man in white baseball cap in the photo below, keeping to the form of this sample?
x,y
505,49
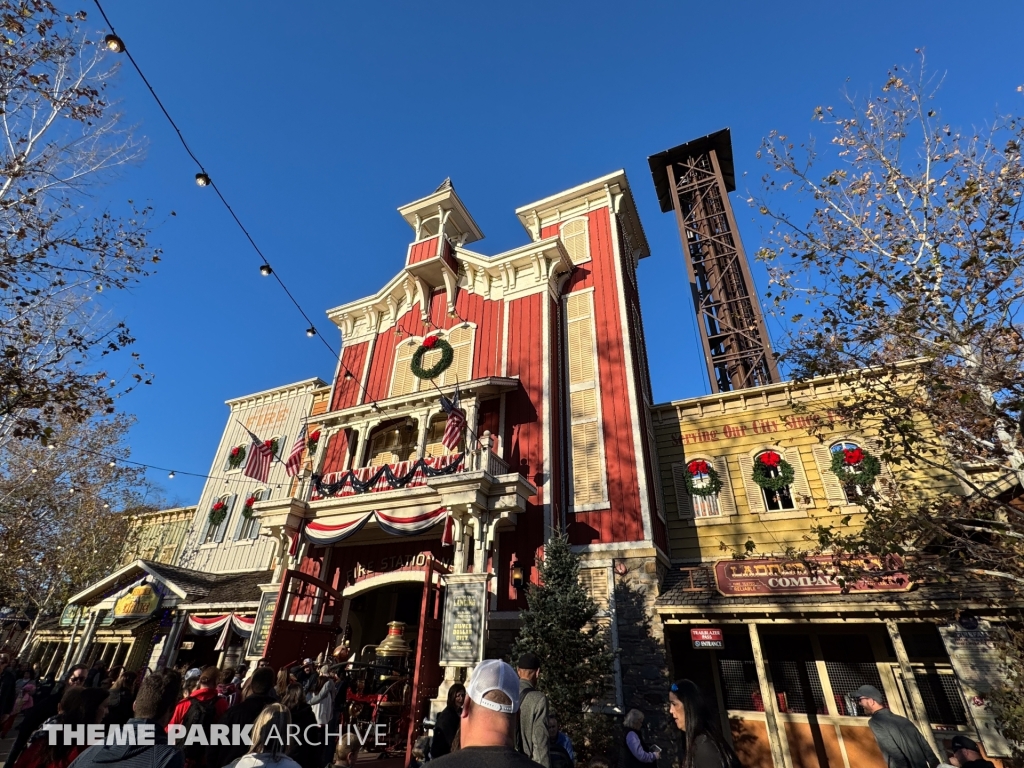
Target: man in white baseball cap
x,y
487,727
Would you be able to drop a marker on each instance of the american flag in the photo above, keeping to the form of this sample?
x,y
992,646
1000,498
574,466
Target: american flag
x,y
456,421
257,466
295,457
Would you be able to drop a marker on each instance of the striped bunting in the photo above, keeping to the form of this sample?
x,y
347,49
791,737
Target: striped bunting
x,y
211,625
321,533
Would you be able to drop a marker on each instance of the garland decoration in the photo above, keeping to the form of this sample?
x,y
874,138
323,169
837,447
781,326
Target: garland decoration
x,y
236,457
763,466
218,512
694,470
247,508
272,445
442,365
312,442
855,466
394,481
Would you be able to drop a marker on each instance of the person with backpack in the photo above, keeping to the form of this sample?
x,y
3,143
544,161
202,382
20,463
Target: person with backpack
x,y
704,746
532,730
203,707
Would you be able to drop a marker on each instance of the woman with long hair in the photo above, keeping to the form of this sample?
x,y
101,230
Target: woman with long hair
x,y
306,754
447,724
284,679
269,741
705,747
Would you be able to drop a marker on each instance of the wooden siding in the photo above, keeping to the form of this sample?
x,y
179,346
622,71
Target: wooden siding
x,y
730,430
346,393
422,250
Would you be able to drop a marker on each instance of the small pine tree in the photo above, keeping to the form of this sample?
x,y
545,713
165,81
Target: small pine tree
x,y
559,625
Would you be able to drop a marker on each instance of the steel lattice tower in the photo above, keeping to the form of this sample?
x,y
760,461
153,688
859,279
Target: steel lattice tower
x,y
694,180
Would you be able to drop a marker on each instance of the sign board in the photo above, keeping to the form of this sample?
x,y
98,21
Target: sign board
x,y
261,629
70,614
136,602
188,645
971,644
463,630
707,637
742,578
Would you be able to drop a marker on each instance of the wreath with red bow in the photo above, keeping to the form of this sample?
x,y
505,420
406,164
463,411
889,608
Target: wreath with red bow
x,y
312,442
247,508
442,365
694,470
763,468
218,512
272,445
236,456
855,466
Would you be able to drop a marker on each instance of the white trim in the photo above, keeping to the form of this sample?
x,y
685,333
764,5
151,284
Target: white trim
x,y
546,415
394,577
630,368
371,346
501,425
504,339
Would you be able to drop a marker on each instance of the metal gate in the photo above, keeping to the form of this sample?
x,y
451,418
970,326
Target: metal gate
x,y
306,622
427,670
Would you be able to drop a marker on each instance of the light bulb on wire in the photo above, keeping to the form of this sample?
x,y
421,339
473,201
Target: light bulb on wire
x,y
114,43
203,180
265,270
171,475
311,331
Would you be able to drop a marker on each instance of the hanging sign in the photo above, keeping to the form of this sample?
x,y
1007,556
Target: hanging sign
x,y
463,630
261,626
739,578
707,637
71,612
136,602
974,655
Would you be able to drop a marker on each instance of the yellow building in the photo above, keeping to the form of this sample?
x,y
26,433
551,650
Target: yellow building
x,y
780,646
158,536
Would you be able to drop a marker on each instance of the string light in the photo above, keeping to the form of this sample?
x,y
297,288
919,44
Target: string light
x,y
112,463
114,43
171,475
311,331
265,270
203,179
348,375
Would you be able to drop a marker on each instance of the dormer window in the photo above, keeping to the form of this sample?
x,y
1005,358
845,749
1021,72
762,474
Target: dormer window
x,y
404,381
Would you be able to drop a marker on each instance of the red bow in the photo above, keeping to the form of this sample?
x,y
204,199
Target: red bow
x,y
853,456
698,467
219,506
430,342
770,459
235,450
268,443
315,436
250,501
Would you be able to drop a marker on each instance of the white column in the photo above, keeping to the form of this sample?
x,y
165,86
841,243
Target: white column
x,y
169,653
87,635
917,713
776,735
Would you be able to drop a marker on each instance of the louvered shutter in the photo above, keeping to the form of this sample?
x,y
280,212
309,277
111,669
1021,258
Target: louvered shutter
x,y
460,370
239,525
222,528
726,500
586,463
800,489
886,482
404,381
574,238
755,499
683,505
434,446
595,583
834,492
254,526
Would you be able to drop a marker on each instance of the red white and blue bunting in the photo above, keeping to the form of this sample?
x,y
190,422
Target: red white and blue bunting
x,y
396,525
211,625
404,474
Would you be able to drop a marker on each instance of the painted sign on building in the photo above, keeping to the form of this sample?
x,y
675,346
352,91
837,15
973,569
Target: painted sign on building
x,y
736,578
463,630
261,628
136,602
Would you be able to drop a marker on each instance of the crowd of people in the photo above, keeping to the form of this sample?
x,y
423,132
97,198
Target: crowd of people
x,y
501,719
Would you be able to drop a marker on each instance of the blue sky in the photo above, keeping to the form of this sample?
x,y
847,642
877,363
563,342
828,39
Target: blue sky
x,y
317,126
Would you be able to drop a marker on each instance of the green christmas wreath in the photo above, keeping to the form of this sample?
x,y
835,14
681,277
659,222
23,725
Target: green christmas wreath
x,y
442,365
217,513
236,456
855,467
763,466
272,445
700,467
247,508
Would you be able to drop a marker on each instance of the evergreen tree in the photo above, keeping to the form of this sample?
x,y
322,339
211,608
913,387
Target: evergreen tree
x,y
560,626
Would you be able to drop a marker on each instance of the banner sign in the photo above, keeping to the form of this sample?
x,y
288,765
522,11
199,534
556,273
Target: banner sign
x,y
136,602
462,633
742,578
707,637
261,625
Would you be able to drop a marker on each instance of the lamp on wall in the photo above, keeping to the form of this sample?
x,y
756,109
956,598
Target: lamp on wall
x,y
518,579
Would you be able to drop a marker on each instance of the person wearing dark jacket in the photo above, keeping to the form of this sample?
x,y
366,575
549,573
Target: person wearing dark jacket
x,y
447,723
261,693
44,709
153,706
703,744
901,743
306,754
122,696
967,755
8,691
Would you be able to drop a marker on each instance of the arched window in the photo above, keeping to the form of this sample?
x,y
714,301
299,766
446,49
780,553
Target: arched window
x,y
703,506
776,501
435,432
249,527
575,239
404,381
852,490
215,531
392,443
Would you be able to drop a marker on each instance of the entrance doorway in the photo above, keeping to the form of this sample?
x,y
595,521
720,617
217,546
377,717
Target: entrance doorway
x,y
370,613
198,650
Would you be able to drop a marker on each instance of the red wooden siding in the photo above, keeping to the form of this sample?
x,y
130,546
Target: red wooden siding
x,y
488,417
346,393
337,450
423,250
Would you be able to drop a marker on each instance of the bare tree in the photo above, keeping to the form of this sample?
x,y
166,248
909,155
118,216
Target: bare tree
x,y
59,247
909,248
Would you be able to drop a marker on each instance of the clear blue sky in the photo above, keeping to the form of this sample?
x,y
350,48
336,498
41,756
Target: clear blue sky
x,y
318,125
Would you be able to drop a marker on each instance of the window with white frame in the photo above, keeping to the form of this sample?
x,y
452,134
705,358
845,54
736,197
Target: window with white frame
x,y
249,527
696,474
435,433
404,381
852,491
575,238
700,478
215,528
781,499
236,456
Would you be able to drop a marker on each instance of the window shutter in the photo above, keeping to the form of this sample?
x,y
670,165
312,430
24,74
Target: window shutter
x,y
460,370
434,434
833,488
574,238
595,583
726,501
886,482
683,505
404,381
586,463
222,528
240,524
800,489
755,499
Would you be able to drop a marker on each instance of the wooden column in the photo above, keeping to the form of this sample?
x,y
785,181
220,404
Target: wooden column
x,y
776,733
918,713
